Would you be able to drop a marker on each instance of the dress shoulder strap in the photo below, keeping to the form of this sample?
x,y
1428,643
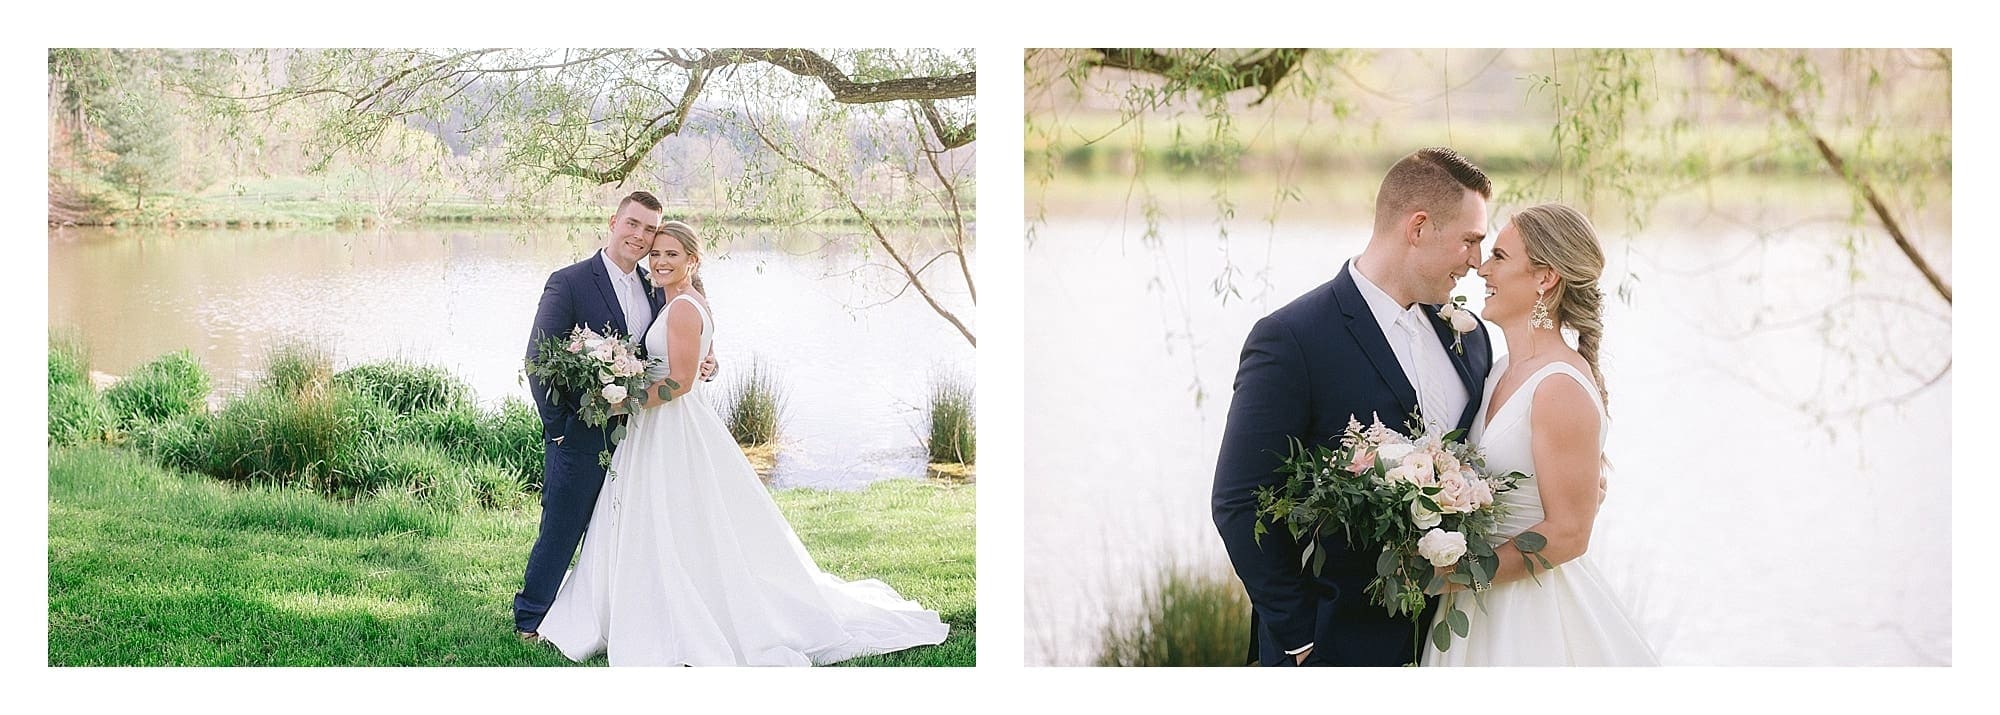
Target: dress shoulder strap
x,y
1564,368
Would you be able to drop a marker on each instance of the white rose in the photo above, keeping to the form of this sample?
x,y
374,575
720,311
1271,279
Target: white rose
x,y
1441,547
605,378
1419,460
614,393
1394,452
1424,518
1462,321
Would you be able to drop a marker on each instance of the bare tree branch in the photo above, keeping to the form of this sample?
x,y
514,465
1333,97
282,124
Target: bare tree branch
x,y
1798,121
874,229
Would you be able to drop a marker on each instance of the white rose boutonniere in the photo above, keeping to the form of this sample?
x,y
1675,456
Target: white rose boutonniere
x,y
1460,319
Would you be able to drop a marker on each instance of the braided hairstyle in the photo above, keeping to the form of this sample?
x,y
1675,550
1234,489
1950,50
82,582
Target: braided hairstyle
x,y
1561,239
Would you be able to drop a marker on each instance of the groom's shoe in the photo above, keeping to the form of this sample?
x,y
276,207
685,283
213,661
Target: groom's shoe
x,y
531,637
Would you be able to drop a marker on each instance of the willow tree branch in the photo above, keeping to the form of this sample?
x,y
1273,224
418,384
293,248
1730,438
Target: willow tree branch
x,y
874,229
950,137
1839,165
806,63
617,174
951,199
1264,69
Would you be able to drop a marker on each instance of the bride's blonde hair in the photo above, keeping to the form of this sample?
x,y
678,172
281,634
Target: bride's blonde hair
x,y
689,244
1560,238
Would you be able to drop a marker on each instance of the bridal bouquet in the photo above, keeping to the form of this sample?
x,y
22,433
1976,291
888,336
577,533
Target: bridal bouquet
x,y
605,370
1426,501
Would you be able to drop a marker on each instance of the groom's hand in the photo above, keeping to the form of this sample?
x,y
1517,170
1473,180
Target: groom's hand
x,y
708,368
1300,659
1602,490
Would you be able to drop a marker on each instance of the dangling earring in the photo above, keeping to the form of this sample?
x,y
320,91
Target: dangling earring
x,y
1539,318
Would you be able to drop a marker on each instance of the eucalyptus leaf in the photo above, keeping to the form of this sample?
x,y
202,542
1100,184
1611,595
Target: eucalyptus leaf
x,y
1458,622
1530,542
618,435
1441,637
1386,565
1319,561
1479,572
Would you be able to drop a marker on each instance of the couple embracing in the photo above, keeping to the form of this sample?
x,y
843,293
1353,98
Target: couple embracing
x,y
1371,344
685,558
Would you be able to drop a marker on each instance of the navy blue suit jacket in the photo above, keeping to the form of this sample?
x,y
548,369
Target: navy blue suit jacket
x,y
580,294
1306,369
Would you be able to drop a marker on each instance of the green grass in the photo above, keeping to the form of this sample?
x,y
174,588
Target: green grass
x,y
150,566
407,387
915,535
69,358
168,387
298,367
1186,618
77,414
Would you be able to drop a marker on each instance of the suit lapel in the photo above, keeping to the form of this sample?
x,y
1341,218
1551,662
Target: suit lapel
x,y
601,275
1446,336
1368,334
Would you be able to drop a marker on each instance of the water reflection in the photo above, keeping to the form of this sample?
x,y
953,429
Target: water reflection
x,y
854,360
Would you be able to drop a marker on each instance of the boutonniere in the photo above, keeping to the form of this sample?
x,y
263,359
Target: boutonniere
x,y
1461,320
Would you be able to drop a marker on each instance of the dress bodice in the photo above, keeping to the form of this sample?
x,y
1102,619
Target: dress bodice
x,y
656,336
1508,440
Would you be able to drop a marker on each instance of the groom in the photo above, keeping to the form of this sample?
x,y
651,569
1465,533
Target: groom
x,y
607,291
1366,344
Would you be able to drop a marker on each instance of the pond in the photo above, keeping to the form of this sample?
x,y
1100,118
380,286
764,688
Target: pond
x,y
854,357
1781,442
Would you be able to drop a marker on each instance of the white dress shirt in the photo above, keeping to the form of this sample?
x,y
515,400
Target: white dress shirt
x,y
1441,396
631,297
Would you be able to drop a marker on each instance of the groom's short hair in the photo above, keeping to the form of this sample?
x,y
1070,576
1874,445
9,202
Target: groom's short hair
x,y
1432,180
644,198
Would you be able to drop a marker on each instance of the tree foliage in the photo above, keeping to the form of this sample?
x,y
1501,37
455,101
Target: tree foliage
x,y
880,135
1621,131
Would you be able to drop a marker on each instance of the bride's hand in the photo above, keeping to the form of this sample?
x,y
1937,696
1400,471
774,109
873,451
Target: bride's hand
x,y
1442,586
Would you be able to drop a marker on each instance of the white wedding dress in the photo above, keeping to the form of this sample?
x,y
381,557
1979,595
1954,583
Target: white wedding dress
x,y
687,560
1565,616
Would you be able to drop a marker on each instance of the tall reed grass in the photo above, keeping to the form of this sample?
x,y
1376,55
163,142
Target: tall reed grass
x,y
950,414
754,405
1186,617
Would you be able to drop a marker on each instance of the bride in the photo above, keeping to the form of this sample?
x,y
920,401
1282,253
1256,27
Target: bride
x,y
1543,415
687,561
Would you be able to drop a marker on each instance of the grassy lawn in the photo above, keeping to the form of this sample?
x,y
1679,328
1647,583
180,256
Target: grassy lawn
x,y
154,567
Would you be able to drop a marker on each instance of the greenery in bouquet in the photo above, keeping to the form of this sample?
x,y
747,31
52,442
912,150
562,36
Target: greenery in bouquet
x,y
603,374
1427,501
